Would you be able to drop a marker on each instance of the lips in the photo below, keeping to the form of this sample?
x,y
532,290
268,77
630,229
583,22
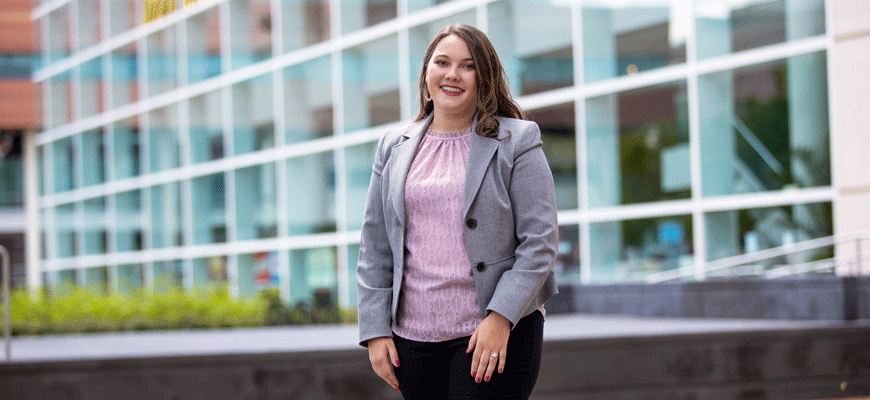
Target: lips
x,y
451,91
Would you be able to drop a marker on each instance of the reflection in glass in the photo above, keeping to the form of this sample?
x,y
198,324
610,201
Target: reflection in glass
x,y
371,84
638,146
559,143
416,5
162,60
122,16
725,26
89,22
206,127
65,218
730,233
308,100
166,215
256,202
632,36
203,45
253,115
125,69
166,275
96,226
306,22
128,219
567,266
60,44
64,165
209,270
209,205
358,14
352,260
765,127
313,277
164,146
61,99
632,249
534,44
91,88
97,279
250,31
127,161
311,194
130,278
419,38
257,271
358,164
93,167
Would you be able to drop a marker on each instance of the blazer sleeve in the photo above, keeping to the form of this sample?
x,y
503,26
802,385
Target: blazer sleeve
x,y
375,265
533,203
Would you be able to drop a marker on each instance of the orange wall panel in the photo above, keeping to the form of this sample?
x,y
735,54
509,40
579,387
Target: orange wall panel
x,y
19,105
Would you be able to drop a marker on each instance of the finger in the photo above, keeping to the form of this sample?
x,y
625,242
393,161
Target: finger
x,y
472,342
501,360
490,367
386,373
475,360
394,355
481,367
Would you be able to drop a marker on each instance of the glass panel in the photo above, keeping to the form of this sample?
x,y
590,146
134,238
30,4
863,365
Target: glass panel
x,y
630,250
162,59
127,162
560,146
128,220
358,164
726,26
206,128
250,31
209,205
11,169
91,88
313,277
167,275
60,42
65,218
125,69
638,146
64,167
627,37
90,22
97,279
209,270
166,217
253,115
417,5
567,266
311,194
96,226
308,100
203,45
419,38
44,218
258,271
765,127
352,260
256,208
62,100
306,22
43,164
164,148
123,16
371,84
93,167
65,280
358,14
730,233
130,278
534,44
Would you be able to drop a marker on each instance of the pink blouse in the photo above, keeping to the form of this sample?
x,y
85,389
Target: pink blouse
x,y
438,300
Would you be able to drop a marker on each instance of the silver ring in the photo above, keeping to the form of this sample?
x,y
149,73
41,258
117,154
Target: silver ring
x,y
494,355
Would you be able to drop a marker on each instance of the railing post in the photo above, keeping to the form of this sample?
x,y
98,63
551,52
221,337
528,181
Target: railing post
x,y
4,263
860,257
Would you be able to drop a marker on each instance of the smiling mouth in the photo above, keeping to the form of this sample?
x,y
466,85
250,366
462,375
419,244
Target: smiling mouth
x,y
451,90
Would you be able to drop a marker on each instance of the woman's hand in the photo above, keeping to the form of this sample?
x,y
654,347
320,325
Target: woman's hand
x,y
383,356
490,337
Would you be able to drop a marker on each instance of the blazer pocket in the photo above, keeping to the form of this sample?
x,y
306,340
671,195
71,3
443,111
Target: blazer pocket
x,y
503,260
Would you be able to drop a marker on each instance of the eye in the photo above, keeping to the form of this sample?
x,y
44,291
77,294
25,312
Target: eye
x,y
440,63
469,67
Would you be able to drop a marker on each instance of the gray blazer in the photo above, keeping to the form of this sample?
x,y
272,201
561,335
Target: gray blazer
x,y
510,226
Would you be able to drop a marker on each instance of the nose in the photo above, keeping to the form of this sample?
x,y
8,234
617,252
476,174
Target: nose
x,y
452,73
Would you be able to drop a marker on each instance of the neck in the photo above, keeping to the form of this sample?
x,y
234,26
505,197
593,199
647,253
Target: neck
x,y
444,122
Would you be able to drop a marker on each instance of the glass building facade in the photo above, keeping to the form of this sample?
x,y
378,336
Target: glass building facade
x,y
232,140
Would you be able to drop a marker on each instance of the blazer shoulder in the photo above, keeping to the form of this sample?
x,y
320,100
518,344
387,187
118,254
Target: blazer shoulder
x,y
519,132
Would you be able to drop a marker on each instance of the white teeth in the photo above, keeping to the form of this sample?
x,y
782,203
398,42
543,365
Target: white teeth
x,y
451,90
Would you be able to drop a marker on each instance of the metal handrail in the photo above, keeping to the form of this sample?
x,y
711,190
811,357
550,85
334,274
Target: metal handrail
x,y
756,145
781,251
4,263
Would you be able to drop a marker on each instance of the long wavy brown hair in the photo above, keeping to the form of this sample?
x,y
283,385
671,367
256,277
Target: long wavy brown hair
x,y
493,97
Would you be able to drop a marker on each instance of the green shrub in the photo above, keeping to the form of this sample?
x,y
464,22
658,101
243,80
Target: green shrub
x,y
72,309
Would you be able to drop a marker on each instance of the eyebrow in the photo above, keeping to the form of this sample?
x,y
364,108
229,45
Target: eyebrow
x,y
446,56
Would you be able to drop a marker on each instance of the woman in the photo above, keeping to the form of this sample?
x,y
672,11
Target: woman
x,y
459,235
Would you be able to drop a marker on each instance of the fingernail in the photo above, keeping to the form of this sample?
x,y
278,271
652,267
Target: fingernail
x,y
473,374
397,363
397,388
500,370
486,379
477,380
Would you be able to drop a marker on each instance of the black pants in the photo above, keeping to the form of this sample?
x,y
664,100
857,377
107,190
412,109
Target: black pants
x,y
442,370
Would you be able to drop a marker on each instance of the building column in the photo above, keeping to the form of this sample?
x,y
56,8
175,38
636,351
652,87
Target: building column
x,y
32,240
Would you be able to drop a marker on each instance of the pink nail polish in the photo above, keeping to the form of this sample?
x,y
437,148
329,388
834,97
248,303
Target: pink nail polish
x,y
477,380
473,374
397,363
500,370
486,379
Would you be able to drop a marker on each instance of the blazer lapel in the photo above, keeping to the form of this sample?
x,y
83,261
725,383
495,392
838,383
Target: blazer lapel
x,y
403,155
480,152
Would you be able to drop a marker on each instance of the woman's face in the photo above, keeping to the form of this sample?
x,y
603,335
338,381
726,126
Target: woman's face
x,y
450,78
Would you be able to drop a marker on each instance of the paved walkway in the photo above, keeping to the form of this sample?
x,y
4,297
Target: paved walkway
x,y
343,337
